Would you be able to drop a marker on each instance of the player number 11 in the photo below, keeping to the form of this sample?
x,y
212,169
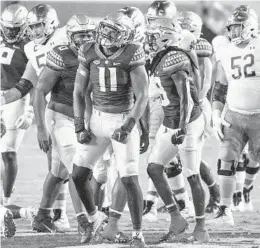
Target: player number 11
x,y
105,80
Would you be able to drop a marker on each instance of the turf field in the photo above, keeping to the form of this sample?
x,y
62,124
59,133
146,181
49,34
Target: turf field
x,y
31,174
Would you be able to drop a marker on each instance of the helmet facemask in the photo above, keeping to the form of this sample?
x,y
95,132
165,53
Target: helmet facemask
x,y
77,39
112,34
12,35
162,33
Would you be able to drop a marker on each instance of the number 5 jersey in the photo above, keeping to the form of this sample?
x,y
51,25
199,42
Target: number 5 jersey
x,y
240,66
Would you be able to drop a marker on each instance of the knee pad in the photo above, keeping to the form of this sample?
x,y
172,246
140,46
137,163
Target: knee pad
x,y
154,169
9,157
173,170
227,168
81,174
252,170
100,171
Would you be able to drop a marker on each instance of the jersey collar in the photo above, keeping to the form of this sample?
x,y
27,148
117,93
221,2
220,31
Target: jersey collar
x,y
113,56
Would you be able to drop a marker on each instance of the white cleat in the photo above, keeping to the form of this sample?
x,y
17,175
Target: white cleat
x,y
30,213
98,224
62,224
188,211
239,208
7,223
224,218
151,216
248,207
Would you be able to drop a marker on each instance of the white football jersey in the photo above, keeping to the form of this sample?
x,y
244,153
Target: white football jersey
x,y
37,53
242,69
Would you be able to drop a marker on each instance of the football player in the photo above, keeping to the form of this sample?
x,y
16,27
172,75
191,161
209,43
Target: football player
x,y
236,101
116,70
42,27
192,22
58,77
183,124
111,231
18,115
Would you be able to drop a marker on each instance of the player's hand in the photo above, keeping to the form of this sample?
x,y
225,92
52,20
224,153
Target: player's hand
x,y
218,124
120,135
178,137
25,120
144,142
3,128
84,136
43,140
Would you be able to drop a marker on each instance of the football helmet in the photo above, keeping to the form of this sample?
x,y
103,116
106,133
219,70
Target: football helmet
x,y
42,21
80,29
138,20
12,23
190,21
242,25
115,31
163,28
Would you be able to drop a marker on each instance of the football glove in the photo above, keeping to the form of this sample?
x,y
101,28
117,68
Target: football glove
x,y
121,134
218,124
144,142
3,127
83,136
25,120
178,137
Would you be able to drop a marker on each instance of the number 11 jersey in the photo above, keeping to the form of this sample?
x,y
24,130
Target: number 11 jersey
x,y
242,70
110,76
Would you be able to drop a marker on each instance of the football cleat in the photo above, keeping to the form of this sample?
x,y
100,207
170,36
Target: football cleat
x,y
238,204
212,206
7,222
248,206
84,228
43,224
137,241
98,224
60,220
150,212
30,213
201,236
224,217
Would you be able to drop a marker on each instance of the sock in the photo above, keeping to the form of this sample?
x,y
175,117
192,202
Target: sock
x,y
134,199
240,179
6,201
60,202
227,187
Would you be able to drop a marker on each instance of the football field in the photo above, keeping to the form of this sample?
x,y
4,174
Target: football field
x,y
32,172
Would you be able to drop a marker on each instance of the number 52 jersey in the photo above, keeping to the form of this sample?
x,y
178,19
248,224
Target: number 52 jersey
x,y
242,69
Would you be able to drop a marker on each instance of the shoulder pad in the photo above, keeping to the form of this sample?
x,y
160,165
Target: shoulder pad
x,y
83,52
54,59
176,60
139,54
203,48
219,40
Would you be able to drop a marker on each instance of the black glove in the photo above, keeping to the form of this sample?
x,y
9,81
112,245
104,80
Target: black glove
x,y
120,134
3,128
178,137
144,142
83,136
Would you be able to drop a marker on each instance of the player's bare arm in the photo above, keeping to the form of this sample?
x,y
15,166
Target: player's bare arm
x,y
180,79
47,81
79,104
145,127
219,99
207,76
23,87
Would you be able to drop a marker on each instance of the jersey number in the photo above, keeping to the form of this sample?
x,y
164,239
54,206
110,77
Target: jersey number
x,y
6,55
40,59
109,80
235,64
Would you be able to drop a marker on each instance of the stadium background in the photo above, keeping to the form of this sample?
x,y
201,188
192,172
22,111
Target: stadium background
x,y
33,164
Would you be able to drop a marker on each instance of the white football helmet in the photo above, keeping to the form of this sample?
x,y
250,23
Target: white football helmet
x,y
45,16
80,29
242,25
12,23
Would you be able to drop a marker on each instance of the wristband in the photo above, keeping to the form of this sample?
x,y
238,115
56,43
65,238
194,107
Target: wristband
x,y
129,125
79,124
